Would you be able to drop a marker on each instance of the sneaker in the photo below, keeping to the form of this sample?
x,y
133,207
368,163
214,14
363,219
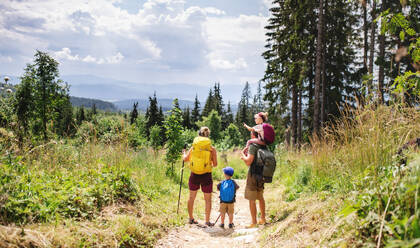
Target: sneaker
x,y
231,225
192,221
222,225
209,223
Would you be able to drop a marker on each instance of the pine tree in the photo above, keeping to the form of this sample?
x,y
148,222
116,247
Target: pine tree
x,y
94,110
195,113
134,113
49,93
80,116
244,115
228,117
24,101
209,106
153,114
217,99
173,127
186,118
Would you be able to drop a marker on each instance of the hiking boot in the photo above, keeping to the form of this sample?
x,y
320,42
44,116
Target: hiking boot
x,y
222,225
231,225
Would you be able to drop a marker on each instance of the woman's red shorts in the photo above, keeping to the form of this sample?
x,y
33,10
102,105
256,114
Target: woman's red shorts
x,y
204,180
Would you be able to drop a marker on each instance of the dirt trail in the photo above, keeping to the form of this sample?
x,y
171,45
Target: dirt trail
x,y
197,237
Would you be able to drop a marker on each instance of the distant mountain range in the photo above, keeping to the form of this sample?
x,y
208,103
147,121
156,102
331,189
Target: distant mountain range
x,y
87,89
112,90
144,103
88,103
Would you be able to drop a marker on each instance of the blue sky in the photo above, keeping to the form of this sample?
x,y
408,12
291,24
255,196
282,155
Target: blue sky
x,y
143,42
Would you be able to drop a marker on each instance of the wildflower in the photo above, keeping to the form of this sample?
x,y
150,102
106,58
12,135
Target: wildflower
x,y
6,79
9,91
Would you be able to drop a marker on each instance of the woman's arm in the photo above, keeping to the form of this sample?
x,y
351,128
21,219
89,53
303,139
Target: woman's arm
x,y
214,156
187,155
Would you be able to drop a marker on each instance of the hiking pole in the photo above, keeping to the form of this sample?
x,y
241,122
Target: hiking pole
x,y
217,219
180,183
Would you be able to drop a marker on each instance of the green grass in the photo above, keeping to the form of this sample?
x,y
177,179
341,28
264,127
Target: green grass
x,y
69,188
356,160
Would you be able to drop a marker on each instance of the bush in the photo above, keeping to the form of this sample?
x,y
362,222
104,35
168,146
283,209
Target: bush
x,y
33,195
106,129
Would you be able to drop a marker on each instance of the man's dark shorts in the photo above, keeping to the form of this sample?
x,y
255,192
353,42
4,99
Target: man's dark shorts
x,y
204,180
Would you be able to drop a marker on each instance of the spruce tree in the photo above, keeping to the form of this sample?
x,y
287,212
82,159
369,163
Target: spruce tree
x,y
195,113
186,118
244,115
49,93
173,127
134,113
209,106
153,115
80,116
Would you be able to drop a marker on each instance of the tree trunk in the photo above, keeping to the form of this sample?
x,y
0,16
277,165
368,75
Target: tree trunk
x,y
372,45
381,74
294,113
299,119
323,83
365,36
318,68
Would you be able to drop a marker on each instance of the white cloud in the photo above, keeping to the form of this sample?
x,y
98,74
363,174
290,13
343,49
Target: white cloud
x,y
6,59
165,40
115,59
227,65
268,3
65,54
89,59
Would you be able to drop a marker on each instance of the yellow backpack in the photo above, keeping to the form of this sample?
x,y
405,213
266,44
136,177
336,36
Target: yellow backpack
x,y
201,156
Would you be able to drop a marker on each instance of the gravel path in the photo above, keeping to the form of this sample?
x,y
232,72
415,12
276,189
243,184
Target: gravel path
x,y
195,236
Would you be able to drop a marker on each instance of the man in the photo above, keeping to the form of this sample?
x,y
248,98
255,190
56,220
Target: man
x,y
254,189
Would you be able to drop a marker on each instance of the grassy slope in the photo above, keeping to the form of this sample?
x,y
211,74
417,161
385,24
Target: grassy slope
x,y
336,194
54,192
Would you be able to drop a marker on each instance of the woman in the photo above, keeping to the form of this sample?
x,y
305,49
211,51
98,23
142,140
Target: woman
x,y
202,157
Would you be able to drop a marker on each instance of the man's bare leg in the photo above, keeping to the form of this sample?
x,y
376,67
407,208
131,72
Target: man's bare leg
x,y
253,211
262,209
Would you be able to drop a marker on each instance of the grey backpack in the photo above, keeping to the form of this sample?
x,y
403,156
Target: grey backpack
x,y
266,159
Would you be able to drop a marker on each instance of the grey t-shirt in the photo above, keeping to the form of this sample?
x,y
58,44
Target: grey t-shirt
x,y
251,183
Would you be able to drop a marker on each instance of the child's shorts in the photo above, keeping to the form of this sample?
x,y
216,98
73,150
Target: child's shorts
x,y
226,208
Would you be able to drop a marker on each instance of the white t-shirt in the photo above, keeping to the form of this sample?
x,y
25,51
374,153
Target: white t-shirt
x,y
259,129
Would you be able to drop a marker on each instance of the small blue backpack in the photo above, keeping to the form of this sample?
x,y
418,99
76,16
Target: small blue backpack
x,y
227,191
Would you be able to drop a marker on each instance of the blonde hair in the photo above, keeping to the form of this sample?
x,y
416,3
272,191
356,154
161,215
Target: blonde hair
x,y
204,132
263,115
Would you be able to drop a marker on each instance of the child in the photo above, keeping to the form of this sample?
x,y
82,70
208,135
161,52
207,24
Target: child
x,y
227,190
259,118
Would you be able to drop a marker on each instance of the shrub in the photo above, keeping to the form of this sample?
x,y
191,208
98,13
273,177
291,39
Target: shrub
x,y
35,195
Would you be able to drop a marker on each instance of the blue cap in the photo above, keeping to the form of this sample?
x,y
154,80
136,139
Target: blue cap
x,y
228,171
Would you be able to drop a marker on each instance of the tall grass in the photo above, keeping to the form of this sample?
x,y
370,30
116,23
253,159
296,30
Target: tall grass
x,y
357,159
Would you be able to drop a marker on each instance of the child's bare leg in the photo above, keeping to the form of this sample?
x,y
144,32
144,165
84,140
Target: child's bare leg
x,y
230,218
222,218
260,142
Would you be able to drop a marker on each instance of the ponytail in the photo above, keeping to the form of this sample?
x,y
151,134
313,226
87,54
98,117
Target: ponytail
x,y
264,116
